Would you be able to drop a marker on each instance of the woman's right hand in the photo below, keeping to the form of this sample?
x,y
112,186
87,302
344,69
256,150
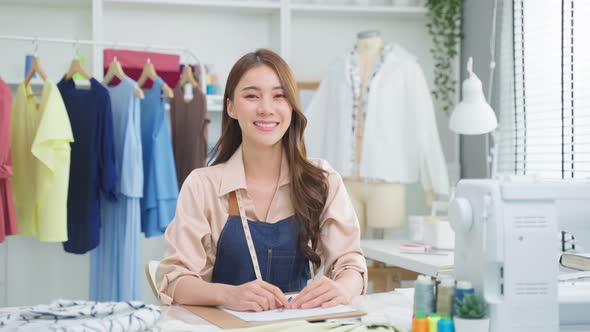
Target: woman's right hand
x,y
257,295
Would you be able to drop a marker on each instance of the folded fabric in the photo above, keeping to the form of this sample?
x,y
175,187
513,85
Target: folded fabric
x,y
68,315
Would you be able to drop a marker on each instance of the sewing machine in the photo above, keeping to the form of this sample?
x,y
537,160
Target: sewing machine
x,y
506,243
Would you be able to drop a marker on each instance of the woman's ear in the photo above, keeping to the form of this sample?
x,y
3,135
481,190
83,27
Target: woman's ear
x,y
230,109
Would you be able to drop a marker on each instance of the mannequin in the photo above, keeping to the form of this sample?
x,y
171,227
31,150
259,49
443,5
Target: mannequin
x,y
378,204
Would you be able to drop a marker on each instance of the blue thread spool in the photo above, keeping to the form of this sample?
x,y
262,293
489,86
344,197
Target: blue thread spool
x,y
424,295
463,288
210,89
445,324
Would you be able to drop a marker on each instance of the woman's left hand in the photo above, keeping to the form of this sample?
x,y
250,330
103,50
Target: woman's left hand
x,y
323,292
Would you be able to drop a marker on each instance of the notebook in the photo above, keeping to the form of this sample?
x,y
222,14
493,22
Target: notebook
x,y
578,261
278,314
226,318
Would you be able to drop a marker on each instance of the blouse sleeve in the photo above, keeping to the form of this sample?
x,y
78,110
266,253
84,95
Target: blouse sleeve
x,y
106,150
187,242
340,247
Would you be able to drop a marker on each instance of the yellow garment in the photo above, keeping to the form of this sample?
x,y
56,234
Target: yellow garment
x,y
40,141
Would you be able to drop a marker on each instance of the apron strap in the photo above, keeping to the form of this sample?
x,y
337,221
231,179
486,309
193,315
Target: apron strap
x,y
311,271
249,240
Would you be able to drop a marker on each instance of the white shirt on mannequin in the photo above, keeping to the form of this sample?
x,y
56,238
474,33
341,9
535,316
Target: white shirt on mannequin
x,y
400,137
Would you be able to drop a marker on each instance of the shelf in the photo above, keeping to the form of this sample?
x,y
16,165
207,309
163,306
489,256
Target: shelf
x,y
275,6
50,4
251,6
351,9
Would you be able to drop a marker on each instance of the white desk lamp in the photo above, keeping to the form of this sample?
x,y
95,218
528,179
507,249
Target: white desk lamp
x,y
473,115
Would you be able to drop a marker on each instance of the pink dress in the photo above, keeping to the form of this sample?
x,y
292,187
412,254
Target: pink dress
x,y
7,218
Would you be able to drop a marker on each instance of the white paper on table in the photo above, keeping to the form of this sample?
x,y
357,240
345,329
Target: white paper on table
x,y
277,314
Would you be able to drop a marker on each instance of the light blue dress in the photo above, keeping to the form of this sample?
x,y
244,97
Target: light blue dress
x,y
158,204
115,271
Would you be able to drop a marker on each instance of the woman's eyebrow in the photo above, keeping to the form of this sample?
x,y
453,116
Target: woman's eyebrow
x,y
251,88
258,89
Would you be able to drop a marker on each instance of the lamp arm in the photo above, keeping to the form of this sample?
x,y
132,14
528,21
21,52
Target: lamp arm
x,y
492,52
492,157
491,152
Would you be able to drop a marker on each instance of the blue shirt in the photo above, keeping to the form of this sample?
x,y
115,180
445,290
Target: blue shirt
x,y
92,168
126,125
115,265
158,204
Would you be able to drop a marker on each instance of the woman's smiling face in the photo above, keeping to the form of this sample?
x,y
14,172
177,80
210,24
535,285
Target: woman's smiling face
x,y
260,107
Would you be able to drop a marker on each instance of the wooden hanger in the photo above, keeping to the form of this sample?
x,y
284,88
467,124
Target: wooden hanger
x,y
187,77
76,67
115,70
35,68
150,72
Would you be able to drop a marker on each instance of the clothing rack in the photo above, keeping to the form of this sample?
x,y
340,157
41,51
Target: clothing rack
x,y
114,44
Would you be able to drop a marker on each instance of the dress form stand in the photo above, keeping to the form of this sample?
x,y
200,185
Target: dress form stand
x,y
378,205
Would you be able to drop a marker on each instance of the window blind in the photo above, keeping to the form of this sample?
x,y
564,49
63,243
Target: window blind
x,y
544,89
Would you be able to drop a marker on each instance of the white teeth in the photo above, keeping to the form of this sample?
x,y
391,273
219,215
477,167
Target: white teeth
x,y
266,125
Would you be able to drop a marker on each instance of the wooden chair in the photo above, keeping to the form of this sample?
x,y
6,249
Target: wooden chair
x,y
150,272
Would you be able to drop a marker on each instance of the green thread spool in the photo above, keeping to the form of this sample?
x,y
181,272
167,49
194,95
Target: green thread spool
x,y
433,322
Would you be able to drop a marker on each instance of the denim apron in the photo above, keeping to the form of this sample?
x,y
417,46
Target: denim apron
x,y
249,250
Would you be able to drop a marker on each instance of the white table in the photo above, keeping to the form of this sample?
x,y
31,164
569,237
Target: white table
x,y
387,251
392,308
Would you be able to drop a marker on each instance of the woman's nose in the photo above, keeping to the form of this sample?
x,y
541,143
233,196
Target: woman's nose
x,y
265,106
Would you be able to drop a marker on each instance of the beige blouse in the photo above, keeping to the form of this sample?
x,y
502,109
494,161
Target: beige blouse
x,y
202,211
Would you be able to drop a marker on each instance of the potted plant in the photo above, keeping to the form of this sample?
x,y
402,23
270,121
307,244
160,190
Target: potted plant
x,y
471,314
444,27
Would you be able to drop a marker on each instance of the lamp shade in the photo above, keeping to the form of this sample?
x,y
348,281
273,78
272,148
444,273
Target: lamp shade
x,y
473,115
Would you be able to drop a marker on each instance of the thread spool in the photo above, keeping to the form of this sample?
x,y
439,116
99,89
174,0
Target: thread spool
x,y
433,322
445,324
419,323
463,288
444,297
424,295
439,278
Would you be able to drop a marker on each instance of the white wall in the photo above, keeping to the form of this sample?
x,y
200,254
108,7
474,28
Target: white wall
x,y
56,21
33,272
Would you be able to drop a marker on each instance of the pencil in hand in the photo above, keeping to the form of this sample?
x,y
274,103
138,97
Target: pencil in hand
x,y
288,300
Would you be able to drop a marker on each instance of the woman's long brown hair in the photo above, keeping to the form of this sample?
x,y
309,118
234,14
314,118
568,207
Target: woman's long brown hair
x,y
309,185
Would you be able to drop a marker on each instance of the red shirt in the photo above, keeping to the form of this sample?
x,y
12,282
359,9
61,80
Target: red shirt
x,y
7,217
167,65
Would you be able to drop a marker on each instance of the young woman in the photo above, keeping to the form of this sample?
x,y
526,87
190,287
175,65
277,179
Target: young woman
x,y
264,217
